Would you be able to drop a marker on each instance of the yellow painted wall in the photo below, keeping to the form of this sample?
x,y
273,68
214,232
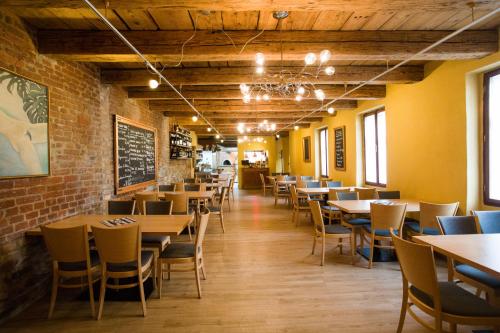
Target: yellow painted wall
x,y
283,163
269,145
431,132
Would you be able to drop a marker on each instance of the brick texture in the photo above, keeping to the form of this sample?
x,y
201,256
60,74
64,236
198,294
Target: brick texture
x,y
81,160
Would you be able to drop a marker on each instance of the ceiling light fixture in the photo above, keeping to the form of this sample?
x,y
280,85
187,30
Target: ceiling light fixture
x,y
296,127
217,136
153,84
194,118
209,129
330,110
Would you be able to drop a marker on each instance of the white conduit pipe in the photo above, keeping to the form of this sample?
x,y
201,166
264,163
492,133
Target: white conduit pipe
x,y
148,64
410,58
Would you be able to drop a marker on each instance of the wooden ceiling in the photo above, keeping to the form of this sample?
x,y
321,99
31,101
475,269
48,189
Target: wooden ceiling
x,y
364,36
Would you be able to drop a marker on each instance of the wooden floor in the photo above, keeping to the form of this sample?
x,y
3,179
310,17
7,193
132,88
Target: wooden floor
x,y
261,278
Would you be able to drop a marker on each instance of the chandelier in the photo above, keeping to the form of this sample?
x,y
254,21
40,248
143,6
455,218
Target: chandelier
x,y
284,83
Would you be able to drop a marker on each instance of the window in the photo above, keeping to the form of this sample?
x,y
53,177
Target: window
x,y
375,152
491,152
323,152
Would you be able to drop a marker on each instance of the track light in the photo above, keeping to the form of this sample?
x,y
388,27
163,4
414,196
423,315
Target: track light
x,y
153,84
217,136
194,118
324,56
330,110
209,129
296,127
330,70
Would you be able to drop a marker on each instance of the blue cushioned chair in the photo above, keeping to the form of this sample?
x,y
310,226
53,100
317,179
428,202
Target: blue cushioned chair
x,y
428,224
334,183
463,225
389,194
290,178
306,178
313,184
489,221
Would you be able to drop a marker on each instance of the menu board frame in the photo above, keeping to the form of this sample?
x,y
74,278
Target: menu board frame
x,y
124,189
339,151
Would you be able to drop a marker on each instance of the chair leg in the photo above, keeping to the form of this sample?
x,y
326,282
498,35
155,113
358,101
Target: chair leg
x,y
141,292
53,294
168,271
91,293
353,249
340,246
323,245
189,232
159,274
438,325
372,247
102,292
222,222
453,327
202,267
404,307
314,243
197,275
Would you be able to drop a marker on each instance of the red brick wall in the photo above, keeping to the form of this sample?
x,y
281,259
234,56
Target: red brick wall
x,y
81,159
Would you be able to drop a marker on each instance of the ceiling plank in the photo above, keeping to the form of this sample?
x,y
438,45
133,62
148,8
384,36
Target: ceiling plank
x,y
243,115
99,46
248,122
233,92
238,5
237,75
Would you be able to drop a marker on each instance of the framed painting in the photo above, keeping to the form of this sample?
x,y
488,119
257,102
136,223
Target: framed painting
x,y
339,133
306,147
24,130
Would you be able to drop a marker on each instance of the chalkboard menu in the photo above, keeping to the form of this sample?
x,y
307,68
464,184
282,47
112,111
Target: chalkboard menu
x,y
339,133
135,155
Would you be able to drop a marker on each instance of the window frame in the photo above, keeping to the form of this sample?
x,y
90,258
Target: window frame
x,y
377,164
320,131
486,139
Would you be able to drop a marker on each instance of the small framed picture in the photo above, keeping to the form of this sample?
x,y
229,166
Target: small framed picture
x,y
306,146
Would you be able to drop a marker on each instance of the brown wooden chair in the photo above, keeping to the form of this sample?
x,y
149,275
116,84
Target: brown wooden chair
x,y
280,192
366,193
331,212
427,224
444,301
179,186
180,206
166,188
73,264
122,258
298,206
141,198
121,207
218,208
383,218
185,253
334,231
157,243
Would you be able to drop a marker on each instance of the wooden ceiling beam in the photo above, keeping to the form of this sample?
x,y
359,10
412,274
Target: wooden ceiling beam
x,y
247,115
368,92
231,106
248,122
270,5
165,46
237,75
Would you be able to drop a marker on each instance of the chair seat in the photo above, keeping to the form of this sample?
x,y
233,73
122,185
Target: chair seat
x,y
358,221
379,232
415,227
155,240
458,301
146,260
330,208
178,250
478,275
336,229
81,265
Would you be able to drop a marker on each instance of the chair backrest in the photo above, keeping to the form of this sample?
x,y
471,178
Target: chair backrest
x,y
231,183
307,177
262,179
158,207
458,225
291,178
118,244
347,195
332,193
384,217
389,194
179,187
203,186
121,207
429,212
166,188
191,187
319,226
179,201
489,221
141,198
367,193
333,183
189,180
313,184
417,267
280,177
67,244
293,194
200,234
300,183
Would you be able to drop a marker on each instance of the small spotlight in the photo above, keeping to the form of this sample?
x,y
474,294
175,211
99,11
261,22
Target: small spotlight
x,y
266,97
320,94
259,70
310,58
296,127
277,136
298,98
194,118
217,136
324,56
301,90
153,84
221,141
260,58
330,110
209,129
330,70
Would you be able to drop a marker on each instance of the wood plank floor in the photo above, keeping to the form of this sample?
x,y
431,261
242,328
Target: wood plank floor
x,y
261,278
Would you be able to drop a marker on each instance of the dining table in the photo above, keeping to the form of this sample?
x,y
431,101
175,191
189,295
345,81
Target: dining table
x,y
322,190
201,195
363,206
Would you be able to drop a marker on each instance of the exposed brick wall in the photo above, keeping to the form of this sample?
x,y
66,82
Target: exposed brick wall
x,y
81,159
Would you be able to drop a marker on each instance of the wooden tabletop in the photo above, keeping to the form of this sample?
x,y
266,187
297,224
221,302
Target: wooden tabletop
x,y
150,224
190,194
478,250
363,206
321,190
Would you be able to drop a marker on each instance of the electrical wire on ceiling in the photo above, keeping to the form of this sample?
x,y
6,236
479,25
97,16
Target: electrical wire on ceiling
x,y
148,64
403,62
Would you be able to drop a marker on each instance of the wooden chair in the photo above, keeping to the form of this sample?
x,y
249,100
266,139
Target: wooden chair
x,y
158,207
383,218
428,224
73,265
280,192
298,206
156,243
351,221
231,190
179,187
291,178
166,188
180,206
121,207
366,193
122,258
264,185
489,221
388,194
329,231
219,209
184,253
192,187
189,180
331,212
313,184
141,198
444,301
306,178
463,225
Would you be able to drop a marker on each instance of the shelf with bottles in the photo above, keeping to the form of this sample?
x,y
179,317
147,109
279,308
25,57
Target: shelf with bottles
x,y
179,153
180,137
